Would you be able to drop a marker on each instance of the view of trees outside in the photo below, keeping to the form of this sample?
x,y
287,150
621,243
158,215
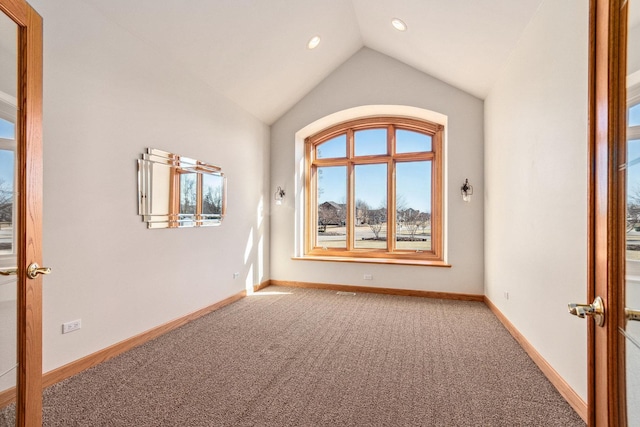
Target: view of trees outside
x,y
332,207
371,195
6,218
7,161
413,229
413,193
212,187
6,202
212,199
188,193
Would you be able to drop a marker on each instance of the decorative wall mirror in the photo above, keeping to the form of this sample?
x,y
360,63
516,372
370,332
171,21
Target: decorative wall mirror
x,y
176,191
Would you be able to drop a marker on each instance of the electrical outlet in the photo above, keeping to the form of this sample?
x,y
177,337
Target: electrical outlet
x,y
236,275
368,277
506,294
74,325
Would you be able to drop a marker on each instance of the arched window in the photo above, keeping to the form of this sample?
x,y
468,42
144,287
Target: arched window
x,y
374,191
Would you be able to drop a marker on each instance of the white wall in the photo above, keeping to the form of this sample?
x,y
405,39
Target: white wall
x,y
371,78
536,186
108,96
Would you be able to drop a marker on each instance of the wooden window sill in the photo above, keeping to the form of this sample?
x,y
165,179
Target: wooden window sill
x,y
389,261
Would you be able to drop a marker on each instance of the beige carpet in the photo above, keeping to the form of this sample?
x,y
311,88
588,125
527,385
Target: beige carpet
x,y
303,357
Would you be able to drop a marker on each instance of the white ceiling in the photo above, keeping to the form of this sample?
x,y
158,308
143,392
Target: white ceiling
x,y
254,51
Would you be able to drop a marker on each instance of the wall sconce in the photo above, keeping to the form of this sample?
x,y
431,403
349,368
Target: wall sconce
x,y
466,190
279,195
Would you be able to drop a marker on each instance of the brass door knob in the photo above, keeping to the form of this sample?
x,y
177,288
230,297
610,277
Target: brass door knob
x,y
595,310
9,272
34,269
632,314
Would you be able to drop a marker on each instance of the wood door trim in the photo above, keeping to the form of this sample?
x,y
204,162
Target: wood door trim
x,y
606,202
29,399
29,147
591,217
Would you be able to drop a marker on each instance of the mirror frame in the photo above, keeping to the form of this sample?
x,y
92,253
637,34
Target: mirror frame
x,y
160,191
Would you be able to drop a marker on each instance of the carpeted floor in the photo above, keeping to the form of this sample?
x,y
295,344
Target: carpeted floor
x,y
304,357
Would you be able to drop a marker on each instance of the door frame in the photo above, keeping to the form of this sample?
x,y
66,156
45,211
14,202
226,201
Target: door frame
x,y
607,201
28,237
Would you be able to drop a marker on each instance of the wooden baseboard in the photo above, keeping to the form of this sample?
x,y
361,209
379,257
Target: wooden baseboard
x,y
7,397
105,354
386,291
262,285
77,366
569,394
66,371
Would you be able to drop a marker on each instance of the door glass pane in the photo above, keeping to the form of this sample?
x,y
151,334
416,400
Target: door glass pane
x,y
332,207
7,129
413,206
8,213
7,173
634,115
370,223
632,288
370,142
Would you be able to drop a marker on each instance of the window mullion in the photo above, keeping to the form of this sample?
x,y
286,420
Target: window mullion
x,y
199,191
436,199
350,214
391,205
391,173
312,200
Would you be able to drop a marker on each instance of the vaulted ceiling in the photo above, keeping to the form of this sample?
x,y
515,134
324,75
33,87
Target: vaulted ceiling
x,y
255,52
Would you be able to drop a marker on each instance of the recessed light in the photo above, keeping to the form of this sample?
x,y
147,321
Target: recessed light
x,y
314,42
399,24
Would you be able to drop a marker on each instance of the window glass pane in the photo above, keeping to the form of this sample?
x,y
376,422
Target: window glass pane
x,y
7,129
371,206
413,206
7,162
634,115
332,207
633,199
333,148
408,141
370,142
211,195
